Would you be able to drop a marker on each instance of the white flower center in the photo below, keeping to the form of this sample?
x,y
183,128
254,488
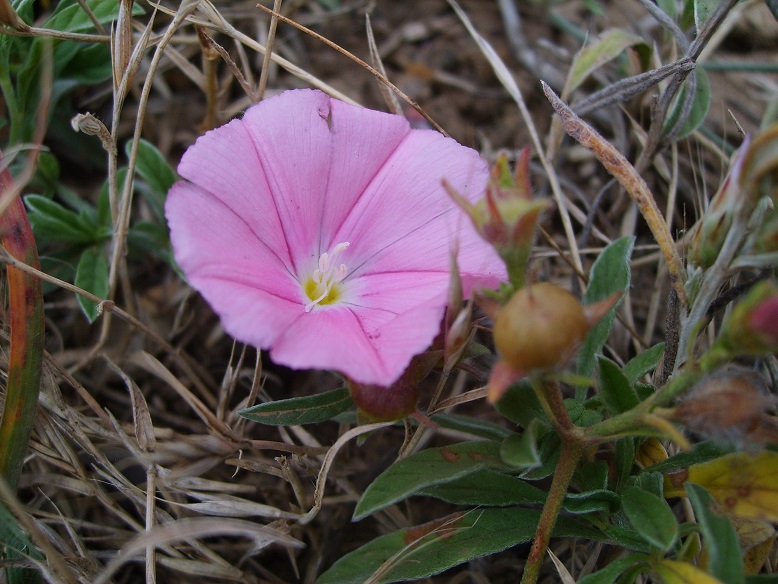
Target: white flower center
x,y
323,286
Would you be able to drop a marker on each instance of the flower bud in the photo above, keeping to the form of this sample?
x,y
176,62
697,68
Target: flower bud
x,y
752,328
458,336
507,216
9,17
540,327
715,223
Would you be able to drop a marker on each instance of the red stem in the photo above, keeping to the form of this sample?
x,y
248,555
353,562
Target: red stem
x,y
25,314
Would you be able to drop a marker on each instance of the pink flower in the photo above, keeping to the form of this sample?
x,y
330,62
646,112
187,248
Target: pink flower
x,y
320,231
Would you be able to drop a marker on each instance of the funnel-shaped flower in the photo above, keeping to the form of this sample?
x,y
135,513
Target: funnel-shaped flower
x,y
320,231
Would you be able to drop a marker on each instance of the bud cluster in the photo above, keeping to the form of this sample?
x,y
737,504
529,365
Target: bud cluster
x,y
507,216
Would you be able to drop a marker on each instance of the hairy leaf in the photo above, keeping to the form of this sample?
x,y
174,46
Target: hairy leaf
x,y
298,411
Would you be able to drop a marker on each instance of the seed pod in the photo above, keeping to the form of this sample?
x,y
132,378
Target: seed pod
x,y
540,327
731,405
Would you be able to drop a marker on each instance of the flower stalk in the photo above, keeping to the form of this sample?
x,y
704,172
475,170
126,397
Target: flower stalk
x,y
572,449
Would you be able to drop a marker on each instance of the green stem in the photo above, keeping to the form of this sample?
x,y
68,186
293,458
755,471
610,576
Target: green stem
x,y
573,445
572,449
516,261
627,423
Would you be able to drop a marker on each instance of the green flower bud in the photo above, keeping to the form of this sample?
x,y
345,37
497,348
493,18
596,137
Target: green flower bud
x,y
507,216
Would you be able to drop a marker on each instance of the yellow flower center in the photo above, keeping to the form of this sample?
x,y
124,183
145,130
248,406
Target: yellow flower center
x,y
323,286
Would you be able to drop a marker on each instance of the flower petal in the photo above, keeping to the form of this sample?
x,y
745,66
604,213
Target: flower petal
x,y
369,345
406,221
252,315
318,154
372,338
212,241
224,163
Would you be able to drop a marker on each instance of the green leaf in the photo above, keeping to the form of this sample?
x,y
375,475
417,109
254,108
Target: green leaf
x,y
298,411
549,455
92,276
156,172
474,426
702,11
616,391
424,469
521,450
592,475
47,175
607,47
492,488
520,404
51,222
595,501
651,482
702,452
609,274
486,487
613,570
89,66
651,517
624,460
699,110
146,237
626,538
17,546
70,17
424,550
719,537
644,363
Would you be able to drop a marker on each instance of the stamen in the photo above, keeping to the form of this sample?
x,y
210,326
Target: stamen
x,y
328,274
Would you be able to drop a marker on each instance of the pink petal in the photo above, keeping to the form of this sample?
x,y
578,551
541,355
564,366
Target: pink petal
x,y
224,163
406,221
318,154
252,315
331,339
212,241
380,298
343,339
372,337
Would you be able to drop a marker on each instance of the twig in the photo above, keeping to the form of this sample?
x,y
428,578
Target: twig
x,y
625,173
360,62
271,37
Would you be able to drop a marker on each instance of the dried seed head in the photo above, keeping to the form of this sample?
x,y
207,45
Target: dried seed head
x,y
731,406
